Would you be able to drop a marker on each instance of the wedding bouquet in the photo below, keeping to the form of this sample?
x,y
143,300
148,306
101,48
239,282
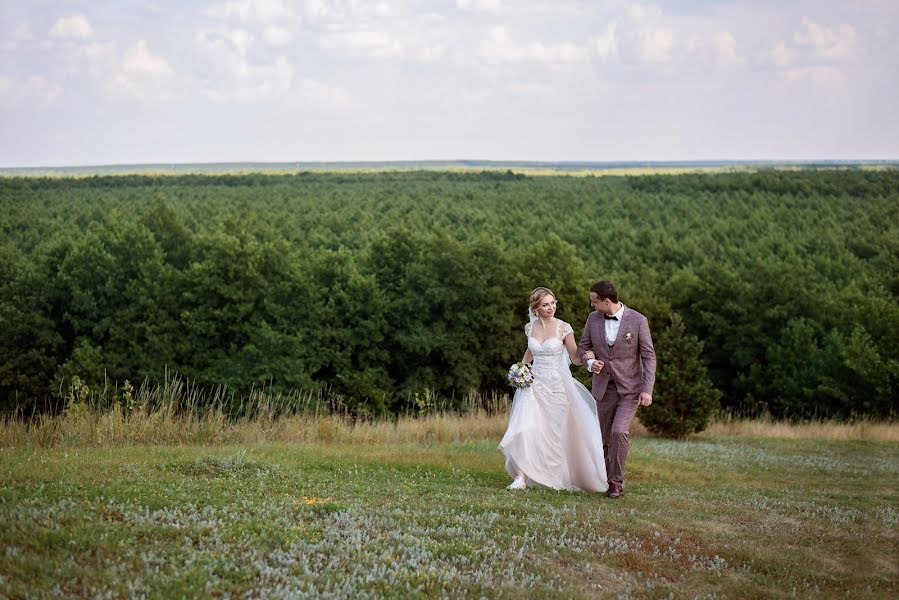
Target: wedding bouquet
x,y
520,375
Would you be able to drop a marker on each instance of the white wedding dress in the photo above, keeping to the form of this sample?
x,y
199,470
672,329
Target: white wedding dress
x,y
553,439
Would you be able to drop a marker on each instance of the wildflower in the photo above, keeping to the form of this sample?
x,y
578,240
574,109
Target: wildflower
x,y
313,500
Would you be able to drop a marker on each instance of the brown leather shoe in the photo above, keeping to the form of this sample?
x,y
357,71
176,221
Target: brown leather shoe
x,y
614,494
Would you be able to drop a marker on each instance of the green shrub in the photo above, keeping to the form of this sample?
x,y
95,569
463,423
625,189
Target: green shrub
x,y
684,396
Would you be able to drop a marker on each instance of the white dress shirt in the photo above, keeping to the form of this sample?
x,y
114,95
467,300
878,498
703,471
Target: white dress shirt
x,y
612,327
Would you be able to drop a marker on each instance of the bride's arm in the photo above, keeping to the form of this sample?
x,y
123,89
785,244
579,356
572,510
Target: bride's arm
x,y
572,349
528,357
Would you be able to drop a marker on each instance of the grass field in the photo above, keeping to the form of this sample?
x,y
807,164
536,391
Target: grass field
x,y
717,516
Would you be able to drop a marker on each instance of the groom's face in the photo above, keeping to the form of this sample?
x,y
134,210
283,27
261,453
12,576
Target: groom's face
x,y
602,305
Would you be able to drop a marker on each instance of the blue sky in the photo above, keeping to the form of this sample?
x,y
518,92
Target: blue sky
x,y
105,82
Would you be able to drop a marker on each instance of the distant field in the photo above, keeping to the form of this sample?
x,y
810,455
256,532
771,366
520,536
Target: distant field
x,y
713,517
527,167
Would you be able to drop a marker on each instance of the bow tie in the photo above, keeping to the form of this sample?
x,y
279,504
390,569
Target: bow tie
x,y
610,317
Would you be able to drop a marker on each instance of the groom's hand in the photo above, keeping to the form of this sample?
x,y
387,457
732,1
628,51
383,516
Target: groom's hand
x,y
597,366
645,399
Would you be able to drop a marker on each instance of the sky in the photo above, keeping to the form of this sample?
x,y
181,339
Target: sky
x,y
123,81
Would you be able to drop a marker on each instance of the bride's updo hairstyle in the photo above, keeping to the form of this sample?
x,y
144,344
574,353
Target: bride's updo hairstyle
x,y
537,296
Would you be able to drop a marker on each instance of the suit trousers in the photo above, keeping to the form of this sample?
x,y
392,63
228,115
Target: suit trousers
x,y
615,415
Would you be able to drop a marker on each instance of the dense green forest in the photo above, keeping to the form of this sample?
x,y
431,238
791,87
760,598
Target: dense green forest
x,y
382,285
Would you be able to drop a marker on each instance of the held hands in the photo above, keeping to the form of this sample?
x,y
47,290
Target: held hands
x,y
597,365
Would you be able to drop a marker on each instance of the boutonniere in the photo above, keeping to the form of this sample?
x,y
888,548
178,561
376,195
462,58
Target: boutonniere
x,y
628,336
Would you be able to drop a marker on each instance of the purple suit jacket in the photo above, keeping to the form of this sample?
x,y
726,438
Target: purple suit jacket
x,y
631,362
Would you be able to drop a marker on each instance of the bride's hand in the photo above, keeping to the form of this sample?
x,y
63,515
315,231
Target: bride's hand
x,y
588,355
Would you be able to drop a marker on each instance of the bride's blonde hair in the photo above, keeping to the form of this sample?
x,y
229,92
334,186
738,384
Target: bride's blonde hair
x,y
537,295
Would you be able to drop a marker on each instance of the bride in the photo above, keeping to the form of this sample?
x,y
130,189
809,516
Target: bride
x,y
553,439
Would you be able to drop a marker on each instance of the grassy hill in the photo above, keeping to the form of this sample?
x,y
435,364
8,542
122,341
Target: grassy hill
x,y
718,516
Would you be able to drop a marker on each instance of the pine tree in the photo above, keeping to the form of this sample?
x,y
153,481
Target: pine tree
x,y
684,396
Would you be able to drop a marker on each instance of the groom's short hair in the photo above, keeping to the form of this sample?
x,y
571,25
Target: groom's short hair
x,y
605,289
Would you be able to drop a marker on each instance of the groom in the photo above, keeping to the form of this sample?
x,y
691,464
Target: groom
x,y
624,372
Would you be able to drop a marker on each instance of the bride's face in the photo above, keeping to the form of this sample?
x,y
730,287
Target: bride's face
x,y
547,306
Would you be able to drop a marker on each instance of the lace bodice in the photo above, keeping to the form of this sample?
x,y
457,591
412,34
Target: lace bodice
x,y
548,354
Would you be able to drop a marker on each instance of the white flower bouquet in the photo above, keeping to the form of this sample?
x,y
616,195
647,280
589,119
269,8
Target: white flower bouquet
x,y
520,375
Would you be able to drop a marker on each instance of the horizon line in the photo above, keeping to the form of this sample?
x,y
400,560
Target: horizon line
x,y
471,162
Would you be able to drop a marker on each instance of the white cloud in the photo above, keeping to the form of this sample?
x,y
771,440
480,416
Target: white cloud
x,y
38,88
233,78
372,43
643,12
405,42
826,42
646,34
346,11
499,47
99,49
480,5
136,74
726,46
36,91
250,11
139,60
224,47
782,55
369,30
813,52
694,44
649,37
76,26
242,40
143,76
276,36
102,59
654,44
606,44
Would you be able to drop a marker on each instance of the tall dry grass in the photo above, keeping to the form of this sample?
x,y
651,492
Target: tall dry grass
x,y
165,427
857,429
159,428
174,413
